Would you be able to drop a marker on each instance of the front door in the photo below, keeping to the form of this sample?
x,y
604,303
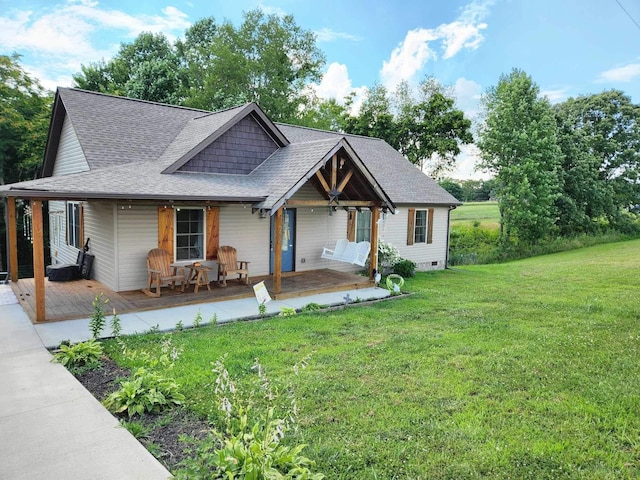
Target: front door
x,y
288,240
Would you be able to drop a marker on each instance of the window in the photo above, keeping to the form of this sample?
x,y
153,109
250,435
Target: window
x,y
420,226
190,234
420,234
74,225
363,226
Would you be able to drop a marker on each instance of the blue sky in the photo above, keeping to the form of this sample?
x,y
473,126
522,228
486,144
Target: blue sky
x,y
569,47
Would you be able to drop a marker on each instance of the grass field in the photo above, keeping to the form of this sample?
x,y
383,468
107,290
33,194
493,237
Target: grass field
x,y
523,370
486,213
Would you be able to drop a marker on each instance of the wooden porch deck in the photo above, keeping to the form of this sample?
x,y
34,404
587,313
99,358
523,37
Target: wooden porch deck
x,y
68,300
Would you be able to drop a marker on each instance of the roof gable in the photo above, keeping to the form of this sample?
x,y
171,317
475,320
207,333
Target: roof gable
x,y
233,118
239,150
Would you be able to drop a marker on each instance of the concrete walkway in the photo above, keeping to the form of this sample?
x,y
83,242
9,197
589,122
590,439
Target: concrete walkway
x,y
51,427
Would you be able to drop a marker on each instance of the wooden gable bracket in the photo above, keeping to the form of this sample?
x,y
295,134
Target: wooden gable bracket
x,y
334,189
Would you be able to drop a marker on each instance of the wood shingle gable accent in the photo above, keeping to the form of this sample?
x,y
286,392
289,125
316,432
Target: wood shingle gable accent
x,y
239,150
250,110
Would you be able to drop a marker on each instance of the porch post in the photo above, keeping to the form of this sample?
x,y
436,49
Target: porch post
x,y
38,259
12,238
373,264
277,252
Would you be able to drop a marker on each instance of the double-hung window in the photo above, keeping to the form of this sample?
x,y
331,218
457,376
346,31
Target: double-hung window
x,y
420,227
420,233
74,225
190,236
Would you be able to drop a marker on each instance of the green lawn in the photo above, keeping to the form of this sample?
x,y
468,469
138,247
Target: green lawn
x,y
529,369
484,212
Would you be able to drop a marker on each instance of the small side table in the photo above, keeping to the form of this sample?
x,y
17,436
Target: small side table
x,y
200,274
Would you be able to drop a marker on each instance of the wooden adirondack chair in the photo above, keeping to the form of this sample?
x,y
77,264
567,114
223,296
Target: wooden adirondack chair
x,y
162,272
228,264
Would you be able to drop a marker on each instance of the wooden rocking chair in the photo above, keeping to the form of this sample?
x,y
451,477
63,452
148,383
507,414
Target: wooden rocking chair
x,y
161,272
228,264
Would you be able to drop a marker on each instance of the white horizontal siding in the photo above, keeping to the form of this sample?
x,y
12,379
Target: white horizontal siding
x,y
316,229
393,229
99,227
70,157
137,233
248,234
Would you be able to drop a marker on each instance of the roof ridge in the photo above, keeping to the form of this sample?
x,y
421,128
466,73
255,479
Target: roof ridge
x,y
149,102
343,134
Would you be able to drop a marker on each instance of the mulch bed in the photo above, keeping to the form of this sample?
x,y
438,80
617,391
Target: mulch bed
x,y
165,429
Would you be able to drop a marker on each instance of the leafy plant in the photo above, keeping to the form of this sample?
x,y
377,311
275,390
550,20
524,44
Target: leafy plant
x,y
79,355
262,309
405,268
98,319
387,254
116,327
198,320
312,307
287,311
179,326
145,392
246,449
136,429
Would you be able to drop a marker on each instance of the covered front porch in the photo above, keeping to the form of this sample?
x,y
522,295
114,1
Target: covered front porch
x,y
72,300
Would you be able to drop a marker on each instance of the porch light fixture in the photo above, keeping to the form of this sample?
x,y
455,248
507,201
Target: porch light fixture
x,y
263,213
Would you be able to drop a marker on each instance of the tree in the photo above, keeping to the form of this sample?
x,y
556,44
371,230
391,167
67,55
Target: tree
x,y
425,127
453,187
148,69
600,139
24,120
431,129
518,143
268,59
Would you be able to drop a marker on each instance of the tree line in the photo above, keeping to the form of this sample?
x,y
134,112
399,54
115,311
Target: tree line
x,y
560,170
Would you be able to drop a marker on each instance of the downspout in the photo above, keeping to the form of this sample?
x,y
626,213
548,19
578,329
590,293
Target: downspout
x,y
446,257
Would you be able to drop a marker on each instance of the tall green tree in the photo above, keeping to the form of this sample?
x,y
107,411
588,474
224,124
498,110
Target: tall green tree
x,y
267,59
148,69
430,128
600,138
425,126
24,120
518,143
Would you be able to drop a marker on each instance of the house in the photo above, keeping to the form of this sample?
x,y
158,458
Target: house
x,y
135,175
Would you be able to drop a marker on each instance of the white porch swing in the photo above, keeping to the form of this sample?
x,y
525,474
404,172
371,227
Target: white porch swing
x,y
355,253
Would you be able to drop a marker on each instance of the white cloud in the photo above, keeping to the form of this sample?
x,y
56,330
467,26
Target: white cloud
x,y
555,95
625,73
64,36
466,163
467,94
336,84
415,50
269,10
328,35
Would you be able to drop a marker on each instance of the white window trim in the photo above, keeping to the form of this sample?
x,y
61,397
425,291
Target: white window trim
x,y
71,228
426,226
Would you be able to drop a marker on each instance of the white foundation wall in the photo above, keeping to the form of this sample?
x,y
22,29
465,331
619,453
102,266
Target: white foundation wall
x,y
248,234
432,256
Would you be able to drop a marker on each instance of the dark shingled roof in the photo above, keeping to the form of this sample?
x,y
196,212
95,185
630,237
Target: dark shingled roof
x,y
132,146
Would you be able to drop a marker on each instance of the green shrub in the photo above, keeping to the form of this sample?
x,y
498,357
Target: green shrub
x,y
83,354
312,307
405,268
145,392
